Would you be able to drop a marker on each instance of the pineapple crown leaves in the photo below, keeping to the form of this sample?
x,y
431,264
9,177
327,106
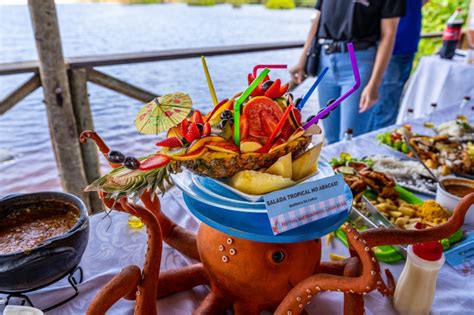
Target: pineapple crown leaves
x,y
123,182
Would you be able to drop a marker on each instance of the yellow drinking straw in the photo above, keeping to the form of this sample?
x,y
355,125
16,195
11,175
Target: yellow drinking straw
x,y
209,81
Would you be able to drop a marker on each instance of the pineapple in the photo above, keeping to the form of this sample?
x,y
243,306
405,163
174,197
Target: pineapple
x,y
257,183
282,167
306,164
218,167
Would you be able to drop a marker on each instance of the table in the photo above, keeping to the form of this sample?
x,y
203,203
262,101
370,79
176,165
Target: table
x,y
436,80
114,245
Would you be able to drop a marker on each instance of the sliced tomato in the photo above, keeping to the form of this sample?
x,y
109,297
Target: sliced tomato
x,y
155,161
244,127
269,122
258,110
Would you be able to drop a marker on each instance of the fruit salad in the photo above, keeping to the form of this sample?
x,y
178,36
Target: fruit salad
x,y
203,143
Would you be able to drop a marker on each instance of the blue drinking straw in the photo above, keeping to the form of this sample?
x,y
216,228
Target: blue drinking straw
x,y
311,90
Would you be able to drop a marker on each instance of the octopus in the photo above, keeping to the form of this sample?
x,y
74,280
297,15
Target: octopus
x,y
248,277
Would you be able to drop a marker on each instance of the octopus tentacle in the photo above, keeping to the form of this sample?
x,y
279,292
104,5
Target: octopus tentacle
x,y
304,291
148,287
103,148
212,304
378,237
174,235
353,302
389,288
332,267
120,286
179,280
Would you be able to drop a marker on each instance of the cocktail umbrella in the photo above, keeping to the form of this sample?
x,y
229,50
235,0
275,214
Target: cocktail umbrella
x,y
163,112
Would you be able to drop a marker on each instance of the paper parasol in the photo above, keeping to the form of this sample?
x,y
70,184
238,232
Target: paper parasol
x,y
163,112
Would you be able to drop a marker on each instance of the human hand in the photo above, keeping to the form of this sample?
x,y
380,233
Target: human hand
x,y
297,73
368,98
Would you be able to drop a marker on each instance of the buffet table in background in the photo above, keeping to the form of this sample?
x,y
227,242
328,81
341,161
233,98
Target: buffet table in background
x,y
440,81
113,244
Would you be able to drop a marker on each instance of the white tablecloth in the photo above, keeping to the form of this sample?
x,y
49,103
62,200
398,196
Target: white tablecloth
x,y
436,80
114,245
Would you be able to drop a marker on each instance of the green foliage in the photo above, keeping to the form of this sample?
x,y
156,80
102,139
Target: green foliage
x,y
305,3
435,15
236,3
280,4
201,2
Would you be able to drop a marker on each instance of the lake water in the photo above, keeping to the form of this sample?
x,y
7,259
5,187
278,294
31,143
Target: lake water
x,y
93,29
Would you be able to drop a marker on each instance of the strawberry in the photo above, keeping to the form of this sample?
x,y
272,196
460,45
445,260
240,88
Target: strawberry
x,y
274,90
283,89
193,133
206,130
154,161
183,127
257,91
197,117
172,142
250,78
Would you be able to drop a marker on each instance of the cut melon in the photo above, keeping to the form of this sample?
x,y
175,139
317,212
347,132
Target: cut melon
x,y
282,167
257,183
307,163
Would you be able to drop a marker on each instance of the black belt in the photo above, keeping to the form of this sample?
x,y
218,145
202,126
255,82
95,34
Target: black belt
x,y
331,46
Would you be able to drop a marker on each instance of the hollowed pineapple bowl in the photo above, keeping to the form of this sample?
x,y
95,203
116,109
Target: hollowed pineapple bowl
x,y
206,145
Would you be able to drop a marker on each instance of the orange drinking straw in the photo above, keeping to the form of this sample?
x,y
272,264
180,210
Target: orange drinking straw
x,y
209,81
277,129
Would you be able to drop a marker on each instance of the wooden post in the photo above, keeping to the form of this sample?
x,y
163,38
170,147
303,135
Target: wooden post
x,y
57,97
84,121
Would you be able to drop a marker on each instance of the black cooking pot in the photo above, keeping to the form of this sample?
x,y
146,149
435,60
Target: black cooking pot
x,y
53,259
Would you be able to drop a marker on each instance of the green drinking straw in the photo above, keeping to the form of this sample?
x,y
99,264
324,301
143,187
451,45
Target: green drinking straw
x,y
241,99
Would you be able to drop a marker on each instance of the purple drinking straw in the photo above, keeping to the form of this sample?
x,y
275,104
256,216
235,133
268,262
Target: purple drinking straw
x,y
354,88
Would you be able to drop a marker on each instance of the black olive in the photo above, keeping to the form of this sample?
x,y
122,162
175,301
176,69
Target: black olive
x,y
266,85
278,256
310,117
223,123
330,102
289,98
116,157
226,114
200,127
325,116
298,101
131,163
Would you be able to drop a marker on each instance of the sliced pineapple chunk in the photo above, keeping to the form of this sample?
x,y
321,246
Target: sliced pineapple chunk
x,y
282,167
257,183
307,163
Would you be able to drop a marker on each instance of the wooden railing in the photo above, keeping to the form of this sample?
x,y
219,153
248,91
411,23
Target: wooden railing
x,y
64,83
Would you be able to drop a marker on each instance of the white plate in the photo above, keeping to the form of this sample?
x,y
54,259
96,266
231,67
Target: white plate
x,y
324,170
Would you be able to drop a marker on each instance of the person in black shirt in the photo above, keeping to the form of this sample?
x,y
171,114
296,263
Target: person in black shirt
x,y
371,25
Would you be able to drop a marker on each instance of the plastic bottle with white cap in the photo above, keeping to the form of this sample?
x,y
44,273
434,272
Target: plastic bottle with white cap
x,y
416,286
